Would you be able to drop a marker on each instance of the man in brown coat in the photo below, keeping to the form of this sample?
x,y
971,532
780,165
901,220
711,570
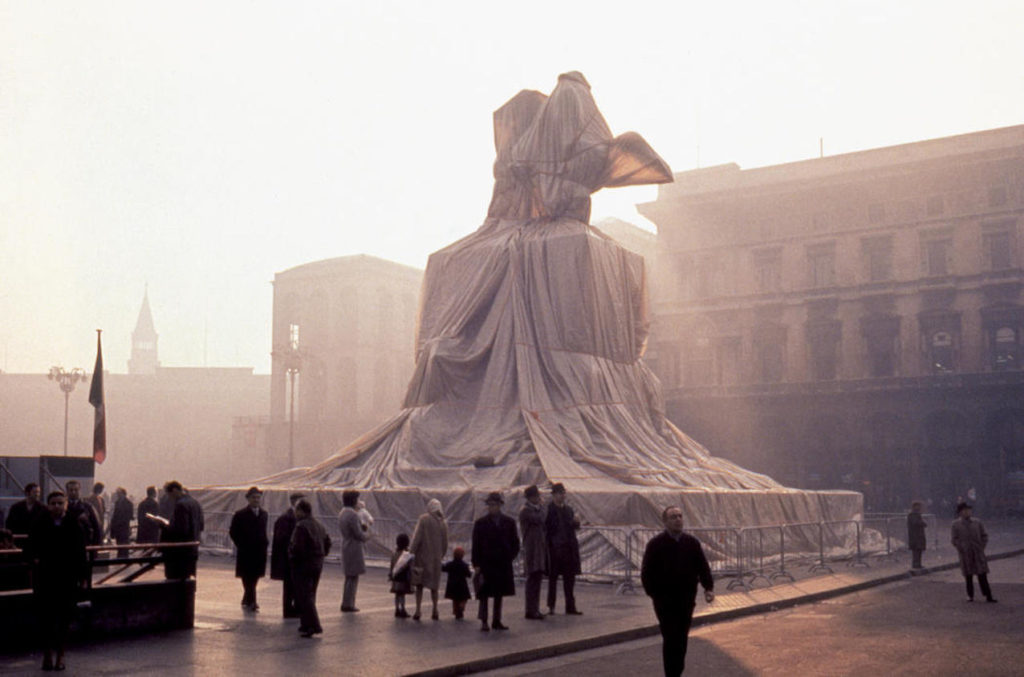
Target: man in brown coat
x,y
969,538
535,550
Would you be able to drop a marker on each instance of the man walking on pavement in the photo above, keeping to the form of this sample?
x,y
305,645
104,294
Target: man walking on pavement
x,y
535,550
673,563
970,538
560,525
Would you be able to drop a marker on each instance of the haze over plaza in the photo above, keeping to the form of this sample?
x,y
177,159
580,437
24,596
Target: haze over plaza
x,y
203,148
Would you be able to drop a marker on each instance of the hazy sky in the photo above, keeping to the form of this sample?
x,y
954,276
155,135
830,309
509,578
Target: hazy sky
x,y
202,147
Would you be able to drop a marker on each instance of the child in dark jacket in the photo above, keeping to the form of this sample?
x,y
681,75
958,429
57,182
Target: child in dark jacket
x,y
457,589
400,574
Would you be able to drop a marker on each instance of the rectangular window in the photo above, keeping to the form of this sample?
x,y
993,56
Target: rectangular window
x,y
936,255
768,270
877,254
821,260
999,247
728,361
699,362
823,350
997,196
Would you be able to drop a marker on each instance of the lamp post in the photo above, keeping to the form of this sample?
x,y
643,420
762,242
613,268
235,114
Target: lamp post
x,y
67,380
291,358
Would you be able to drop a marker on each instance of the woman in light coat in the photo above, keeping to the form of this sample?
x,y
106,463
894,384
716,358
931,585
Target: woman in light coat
x,y
429,545
353,535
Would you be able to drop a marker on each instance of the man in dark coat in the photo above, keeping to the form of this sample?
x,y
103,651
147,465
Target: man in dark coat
x,y
148,531
121,520
56,548
248,532
279,567
970,538
23,513
535,549
495,546
83,513
916,541
309,545
560,525
673,563
186,525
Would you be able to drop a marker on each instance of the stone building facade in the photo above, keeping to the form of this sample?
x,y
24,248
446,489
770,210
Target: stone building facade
x,y
854,321
347,328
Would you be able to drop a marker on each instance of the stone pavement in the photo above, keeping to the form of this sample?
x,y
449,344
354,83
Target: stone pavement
x,y
373,642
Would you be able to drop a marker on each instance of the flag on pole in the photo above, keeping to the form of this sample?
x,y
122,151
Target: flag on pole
x,y
99,431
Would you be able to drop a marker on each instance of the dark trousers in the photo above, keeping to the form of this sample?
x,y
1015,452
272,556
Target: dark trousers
x,y
568,585
916,556
982,582
123,552
482,613
305,585
249,590
288,597
533,581
674,622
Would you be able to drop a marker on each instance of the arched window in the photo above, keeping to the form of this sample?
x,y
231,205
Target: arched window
x,y
941,352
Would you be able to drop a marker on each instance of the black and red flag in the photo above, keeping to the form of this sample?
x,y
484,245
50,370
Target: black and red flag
x,y
99,431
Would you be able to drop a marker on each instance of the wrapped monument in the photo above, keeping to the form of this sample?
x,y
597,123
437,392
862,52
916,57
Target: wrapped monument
x,y
529,364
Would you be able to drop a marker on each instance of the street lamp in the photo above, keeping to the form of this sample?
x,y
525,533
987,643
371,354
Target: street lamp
x,y
291,358
67,380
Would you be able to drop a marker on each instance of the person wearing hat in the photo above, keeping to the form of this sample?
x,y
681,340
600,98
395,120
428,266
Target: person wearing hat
x,y
280,570
495,546
248,532
970,538
535,549
560,526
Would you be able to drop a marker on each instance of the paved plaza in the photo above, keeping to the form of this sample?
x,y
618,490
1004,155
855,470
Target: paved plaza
x,y
873,618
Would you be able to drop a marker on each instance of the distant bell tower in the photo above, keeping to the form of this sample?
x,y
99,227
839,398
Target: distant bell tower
x,y
144,358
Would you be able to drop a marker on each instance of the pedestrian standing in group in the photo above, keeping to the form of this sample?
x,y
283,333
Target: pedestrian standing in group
x,y
83,513
560,526
185,526
429,544
147,531
56,548
495,546
672,565
306,551
535,549
23,513
121,520
970,538
248,531
99,504
916,540
279,565
456,588
353,534
400,574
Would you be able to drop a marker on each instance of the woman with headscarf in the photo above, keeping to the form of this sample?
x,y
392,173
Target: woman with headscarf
x,y
429,545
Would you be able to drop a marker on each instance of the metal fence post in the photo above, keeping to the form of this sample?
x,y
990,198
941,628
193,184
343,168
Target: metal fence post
x,y
821,566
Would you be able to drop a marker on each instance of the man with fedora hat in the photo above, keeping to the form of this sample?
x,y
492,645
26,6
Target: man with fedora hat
x,y
560,526
495,546
248,532
535,549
